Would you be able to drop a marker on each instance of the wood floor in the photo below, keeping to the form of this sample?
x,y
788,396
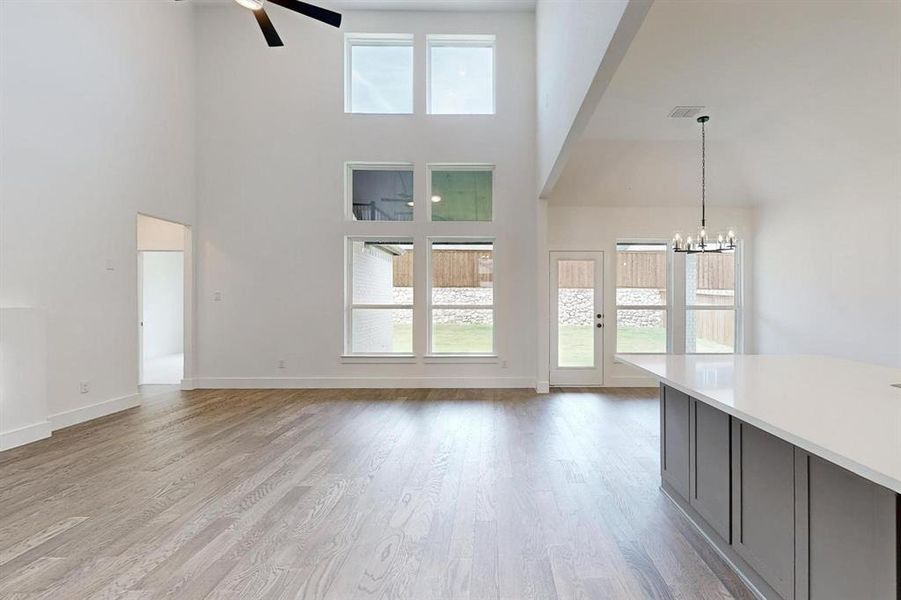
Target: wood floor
x,y
419,494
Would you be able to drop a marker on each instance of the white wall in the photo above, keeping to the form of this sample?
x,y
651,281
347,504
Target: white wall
x,y
23,379
163,304
98,124
579,46
272,143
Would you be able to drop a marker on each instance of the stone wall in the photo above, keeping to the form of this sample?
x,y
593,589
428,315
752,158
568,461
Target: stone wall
x,y
446,295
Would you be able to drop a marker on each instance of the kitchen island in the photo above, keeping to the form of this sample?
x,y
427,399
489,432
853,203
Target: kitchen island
x,y
789,465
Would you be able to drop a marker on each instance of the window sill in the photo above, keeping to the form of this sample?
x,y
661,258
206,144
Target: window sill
x,y
461,358
378,358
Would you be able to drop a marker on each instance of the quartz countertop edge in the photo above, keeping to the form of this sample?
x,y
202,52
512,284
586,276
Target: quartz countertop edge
x,y
744,386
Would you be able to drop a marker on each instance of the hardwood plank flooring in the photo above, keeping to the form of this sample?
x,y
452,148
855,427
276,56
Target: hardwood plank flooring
x,y
346,494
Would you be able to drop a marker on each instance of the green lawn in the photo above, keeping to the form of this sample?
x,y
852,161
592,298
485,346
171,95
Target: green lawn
x,y
576,343
448,338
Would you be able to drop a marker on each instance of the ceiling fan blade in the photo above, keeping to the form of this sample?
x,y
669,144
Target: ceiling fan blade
x,y
328,17
269,31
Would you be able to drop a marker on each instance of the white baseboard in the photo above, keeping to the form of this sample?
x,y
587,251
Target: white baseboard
x,y
360,382
543,387
93,411
24,435
187,384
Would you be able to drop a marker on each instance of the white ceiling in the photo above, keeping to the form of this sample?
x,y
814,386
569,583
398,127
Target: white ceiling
x,y
429,5
751,63
799,93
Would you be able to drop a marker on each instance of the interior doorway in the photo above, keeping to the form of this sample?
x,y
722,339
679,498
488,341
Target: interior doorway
x,y
161,301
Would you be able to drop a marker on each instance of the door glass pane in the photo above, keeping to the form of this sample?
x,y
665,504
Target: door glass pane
x,y
640,331
575,313
710,279
710,331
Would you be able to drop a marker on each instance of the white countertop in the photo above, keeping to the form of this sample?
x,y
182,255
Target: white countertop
x,y
844,411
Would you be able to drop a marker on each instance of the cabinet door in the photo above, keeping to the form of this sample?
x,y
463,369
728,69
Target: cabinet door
x,y
763,505
711,467
850,534
675,409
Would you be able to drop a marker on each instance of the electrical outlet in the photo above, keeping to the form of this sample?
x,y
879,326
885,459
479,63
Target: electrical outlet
x,y
217,296
503,364
84,387
281,364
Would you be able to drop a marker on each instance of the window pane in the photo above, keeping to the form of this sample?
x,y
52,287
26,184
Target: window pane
x,y
461,195
640,330
575,313
462,80
710,331
641,274
381,79
462,273
381,330
710,279
382,272
463,331
379,195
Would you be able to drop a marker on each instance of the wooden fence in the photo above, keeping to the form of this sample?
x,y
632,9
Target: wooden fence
x,y
647,270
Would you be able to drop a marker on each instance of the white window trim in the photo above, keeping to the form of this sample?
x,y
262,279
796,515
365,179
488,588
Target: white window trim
x,y
458,356
351,166
465,167
666,308
350,306
460,41
375,39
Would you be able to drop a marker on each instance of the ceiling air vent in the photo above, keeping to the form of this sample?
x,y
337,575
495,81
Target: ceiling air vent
x,y
686,112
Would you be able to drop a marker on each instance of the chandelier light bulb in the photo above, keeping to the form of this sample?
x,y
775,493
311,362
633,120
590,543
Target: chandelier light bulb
x,y
436,198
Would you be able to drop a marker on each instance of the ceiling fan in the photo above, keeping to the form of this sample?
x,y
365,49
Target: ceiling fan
x,y
272,38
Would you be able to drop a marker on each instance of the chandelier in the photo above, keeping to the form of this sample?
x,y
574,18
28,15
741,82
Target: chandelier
x,y
700,241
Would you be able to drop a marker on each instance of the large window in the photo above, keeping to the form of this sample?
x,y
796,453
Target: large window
x,y
380,282
462,297
461,75
378,74
710,303
641,298
380,192
461,192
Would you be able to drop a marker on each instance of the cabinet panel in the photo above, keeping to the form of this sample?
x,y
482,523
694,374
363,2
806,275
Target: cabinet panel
x,y
851,535
675,409
764,505
711,468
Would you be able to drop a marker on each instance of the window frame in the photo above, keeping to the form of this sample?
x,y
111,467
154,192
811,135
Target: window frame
x,y
670,295
376,39
735,307
351,166
460,41
430,306
459,167
350,305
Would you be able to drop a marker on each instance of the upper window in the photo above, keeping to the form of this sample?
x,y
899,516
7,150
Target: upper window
x,y
710,303
378,74
641,298
461,193
380,192
461,75
380,296
462,297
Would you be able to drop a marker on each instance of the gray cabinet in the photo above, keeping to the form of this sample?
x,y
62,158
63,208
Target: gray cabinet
x,y
849,531
764,505
675,418
795,526
711,468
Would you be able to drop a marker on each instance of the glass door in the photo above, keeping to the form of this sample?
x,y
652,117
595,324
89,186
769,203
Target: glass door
x,y
577,318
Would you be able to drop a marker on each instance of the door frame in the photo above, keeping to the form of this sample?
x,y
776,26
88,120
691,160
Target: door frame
x,y
188,362
578,376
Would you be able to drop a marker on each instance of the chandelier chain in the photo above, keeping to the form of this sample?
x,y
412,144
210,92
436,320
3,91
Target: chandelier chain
x,y
703,174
